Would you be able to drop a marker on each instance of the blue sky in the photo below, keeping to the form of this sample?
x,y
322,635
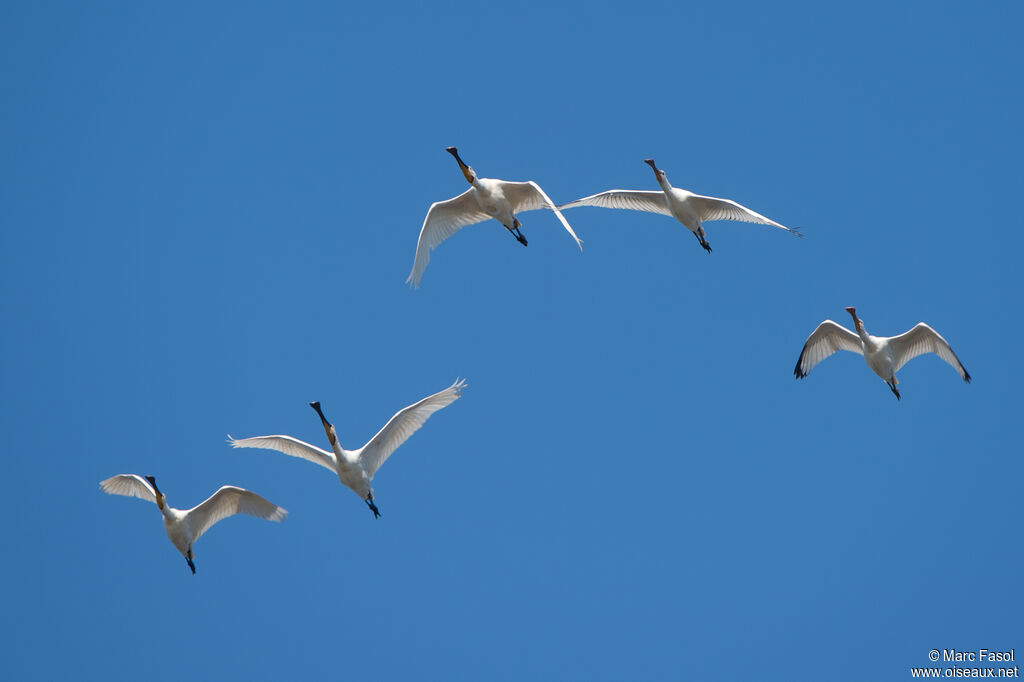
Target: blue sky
x,y
208,217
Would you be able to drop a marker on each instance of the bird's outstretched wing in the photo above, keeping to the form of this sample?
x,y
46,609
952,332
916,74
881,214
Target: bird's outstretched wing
x,y
920,340
826,340
711,208
229,501
404,424
444,219
631,199
289,446
528,196
130,485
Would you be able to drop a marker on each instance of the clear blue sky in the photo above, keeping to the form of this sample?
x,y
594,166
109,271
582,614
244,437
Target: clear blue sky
x,y
208,213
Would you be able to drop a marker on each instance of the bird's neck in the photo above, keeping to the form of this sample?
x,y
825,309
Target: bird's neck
x,y
665,184
332,437
864,336
467,172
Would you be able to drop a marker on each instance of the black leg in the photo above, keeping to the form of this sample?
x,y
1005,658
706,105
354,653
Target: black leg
x,y
703,242
373,507
516,233
895,390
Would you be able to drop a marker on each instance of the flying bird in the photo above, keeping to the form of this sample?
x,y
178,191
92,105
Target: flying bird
x,y
885,355
688,208
486,198
356,468
184,527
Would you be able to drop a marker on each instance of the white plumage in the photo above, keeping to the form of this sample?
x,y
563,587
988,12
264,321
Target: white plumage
x,y
185,527
356,468
486,198
885,355
688,208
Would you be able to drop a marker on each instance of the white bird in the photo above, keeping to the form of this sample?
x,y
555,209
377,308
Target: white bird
x,y
356,468
688,208
486,198
885,355
184,527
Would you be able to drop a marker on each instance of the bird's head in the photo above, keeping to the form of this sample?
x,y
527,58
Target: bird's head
x,y
853,313
159,495
316,406
467,171
659,174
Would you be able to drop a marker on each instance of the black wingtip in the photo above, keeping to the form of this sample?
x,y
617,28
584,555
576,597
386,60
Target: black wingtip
x,y
799,361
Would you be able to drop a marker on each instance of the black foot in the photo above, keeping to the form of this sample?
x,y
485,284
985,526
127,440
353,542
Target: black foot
x,y
373,508
895,391
191,565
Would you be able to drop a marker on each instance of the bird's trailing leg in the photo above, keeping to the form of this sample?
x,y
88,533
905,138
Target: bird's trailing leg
x,y
892,386
699,234
515,231
372,506
188,558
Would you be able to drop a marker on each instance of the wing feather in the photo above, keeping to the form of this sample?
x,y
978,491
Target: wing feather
x,y
710,208
630,199
528,196
444,218
228,501
129,485
405,423
289,446
920,340
823,342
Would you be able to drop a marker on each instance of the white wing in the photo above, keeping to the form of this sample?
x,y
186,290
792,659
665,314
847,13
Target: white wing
x,y
920,340
711,208
405,423
528,196
635,200
826,340
289,446
229,501
129,485
444,219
